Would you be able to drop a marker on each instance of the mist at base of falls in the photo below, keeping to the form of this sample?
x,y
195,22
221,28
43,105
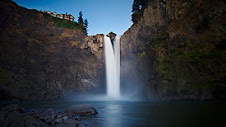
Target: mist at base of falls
x,y
100,97
129,89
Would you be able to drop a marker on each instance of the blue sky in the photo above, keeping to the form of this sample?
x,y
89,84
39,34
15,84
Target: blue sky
x,y
103,16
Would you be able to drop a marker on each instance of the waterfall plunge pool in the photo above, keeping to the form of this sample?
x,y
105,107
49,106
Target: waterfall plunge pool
x,y
145,114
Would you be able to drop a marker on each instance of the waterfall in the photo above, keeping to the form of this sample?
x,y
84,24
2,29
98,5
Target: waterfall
x,y
112,61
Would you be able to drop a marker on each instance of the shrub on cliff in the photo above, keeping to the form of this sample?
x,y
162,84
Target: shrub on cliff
x,y
137,9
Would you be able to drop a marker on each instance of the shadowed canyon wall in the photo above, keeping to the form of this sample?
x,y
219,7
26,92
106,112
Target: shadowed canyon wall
x,y
39,60
176,50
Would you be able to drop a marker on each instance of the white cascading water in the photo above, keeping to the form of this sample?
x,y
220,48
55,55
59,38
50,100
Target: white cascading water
x,y
112,61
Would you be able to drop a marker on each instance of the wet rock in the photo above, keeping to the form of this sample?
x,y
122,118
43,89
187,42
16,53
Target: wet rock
x,y
82,109
48,116
13,108
28,121
16,116
70,123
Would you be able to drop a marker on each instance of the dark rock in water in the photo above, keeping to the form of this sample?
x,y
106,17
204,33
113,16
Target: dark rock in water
x,y
112,36
13,108
70,123
16,116
82,109
49,116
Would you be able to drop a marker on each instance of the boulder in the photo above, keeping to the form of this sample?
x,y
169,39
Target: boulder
x,y
70,123
16,116
13,108
48,116
81,109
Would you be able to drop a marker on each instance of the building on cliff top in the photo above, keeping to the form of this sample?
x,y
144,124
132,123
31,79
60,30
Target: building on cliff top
x,y
61,16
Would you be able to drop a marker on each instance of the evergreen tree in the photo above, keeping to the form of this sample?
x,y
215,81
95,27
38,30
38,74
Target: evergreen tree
x,y
138,8
86,24
80,19
137,5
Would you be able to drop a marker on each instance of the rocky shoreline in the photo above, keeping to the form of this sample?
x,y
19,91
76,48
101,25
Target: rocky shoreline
x,y
17,116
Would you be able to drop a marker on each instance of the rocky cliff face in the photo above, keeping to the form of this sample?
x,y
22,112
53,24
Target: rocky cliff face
x,y
179,49
41,61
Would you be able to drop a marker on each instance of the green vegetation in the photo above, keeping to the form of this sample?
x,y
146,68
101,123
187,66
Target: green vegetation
x,y
61,23
196,67
185,59
86,24
83,24
188,65
137,9
80,19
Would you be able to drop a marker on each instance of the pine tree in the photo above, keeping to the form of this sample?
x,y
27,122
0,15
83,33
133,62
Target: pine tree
x,y
86,23
137,5
80,19
138,8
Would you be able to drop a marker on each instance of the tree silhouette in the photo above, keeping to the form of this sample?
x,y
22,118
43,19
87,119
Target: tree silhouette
x,y
138,8
86,23
139,5
80,19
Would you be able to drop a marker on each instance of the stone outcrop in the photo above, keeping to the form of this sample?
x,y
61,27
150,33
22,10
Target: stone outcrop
x,y
95,44
112,36
16,116
178,49
82,109
39,60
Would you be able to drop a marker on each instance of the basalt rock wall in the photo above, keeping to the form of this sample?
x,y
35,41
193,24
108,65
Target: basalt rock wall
x,y
176,51
39,60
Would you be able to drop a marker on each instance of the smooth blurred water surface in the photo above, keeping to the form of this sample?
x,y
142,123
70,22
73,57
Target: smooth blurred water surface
x,y
145,114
